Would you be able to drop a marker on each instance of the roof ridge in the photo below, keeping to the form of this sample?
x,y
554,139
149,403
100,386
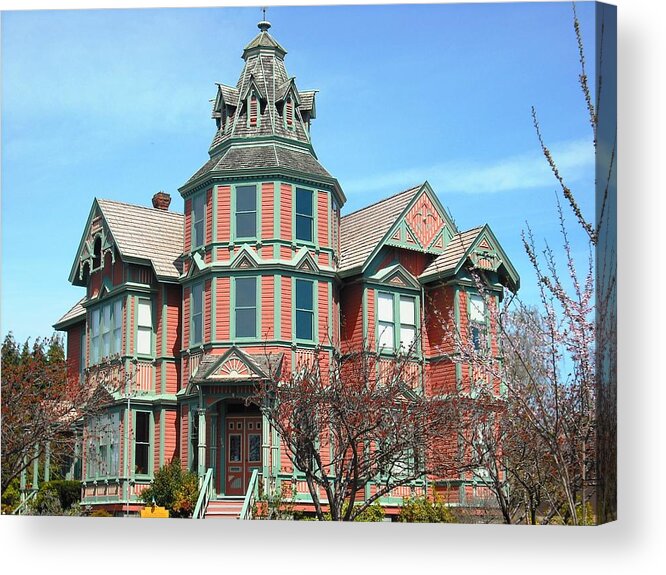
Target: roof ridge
x,y
153,210
413,188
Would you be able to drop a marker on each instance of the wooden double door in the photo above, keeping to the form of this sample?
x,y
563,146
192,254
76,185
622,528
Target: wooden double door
x,y
243,451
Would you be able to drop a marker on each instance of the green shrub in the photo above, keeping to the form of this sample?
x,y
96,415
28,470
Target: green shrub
x,y
58,497
425,510
100,513
173,488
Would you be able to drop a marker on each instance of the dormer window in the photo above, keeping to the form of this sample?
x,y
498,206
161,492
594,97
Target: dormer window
x,y
289,113
253,110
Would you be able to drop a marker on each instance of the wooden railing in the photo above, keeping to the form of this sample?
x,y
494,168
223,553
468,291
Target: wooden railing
x,y
25,499
250,496
205,495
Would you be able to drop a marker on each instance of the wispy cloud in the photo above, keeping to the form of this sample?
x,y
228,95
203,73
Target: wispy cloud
x,y
529,170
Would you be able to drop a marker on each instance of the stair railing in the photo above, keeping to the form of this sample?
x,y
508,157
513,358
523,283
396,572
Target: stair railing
x,y
25,499
205,495
250,496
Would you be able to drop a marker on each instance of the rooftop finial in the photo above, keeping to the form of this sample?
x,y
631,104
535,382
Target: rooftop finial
x,y
264,24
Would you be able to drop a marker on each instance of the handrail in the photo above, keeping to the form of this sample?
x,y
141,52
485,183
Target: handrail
x,y
250,496
24,503
205,495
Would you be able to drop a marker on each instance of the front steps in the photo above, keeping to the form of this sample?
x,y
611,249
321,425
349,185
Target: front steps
x,y
224,507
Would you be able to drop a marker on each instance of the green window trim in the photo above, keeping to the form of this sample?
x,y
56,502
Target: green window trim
x,y
142,443
304,216
144,326
304,309
245,208
198,220
245,304
103,442
106,329
393,319
196,314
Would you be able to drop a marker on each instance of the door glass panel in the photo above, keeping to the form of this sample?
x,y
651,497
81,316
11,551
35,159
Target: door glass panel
x,y
254,447
235,447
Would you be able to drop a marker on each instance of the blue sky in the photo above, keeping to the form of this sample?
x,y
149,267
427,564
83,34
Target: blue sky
x,y
115,104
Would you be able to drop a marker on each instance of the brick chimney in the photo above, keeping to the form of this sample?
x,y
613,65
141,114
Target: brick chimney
x,y
161,201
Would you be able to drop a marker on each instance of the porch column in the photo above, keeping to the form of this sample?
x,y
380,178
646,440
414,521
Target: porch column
x,y
201,471
47,462
35,469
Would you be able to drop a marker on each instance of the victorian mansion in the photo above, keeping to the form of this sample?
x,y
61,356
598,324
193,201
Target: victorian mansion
x,y
260,256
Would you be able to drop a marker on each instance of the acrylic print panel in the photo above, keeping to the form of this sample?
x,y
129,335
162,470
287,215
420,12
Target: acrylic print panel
x,y
227,347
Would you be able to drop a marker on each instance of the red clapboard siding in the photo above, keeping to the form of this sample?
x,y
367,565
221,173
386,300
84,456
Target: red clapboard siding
x,y
267,307
74,353
207,311
285,308
351,316
438,310
370,305
285,212
118,271
186,317
223,213
187,232
324,327
184,435
171,369
322,217
174,303
267,210
209,216
156,447
222,311
132,319
170,435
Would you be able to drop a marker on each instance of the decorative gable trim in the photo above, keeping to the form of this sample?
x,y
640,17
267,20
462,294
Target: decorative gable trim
x,y
245,259
402,233
197,266
96,234
303,261
397,276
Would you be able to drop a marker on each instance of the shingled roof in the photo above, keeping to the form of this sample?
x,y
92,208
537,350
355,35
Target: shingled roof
x,y
362,230
449,259
258,157
146,234
77,313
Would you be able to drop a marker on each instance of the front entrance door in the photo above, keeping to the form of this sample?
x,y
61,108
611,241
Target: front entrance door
x,y
243,451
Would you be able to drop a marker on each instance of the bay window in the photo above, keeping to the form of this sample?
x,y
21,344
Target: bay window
x,y
106,328
396,322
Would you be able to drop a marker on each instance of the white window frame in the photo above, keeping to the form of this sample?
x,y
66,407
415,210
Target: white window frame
x,y
144,327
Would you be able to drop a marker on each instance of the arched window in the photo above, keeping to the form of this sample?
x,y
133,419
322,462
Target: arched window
x,y
97,253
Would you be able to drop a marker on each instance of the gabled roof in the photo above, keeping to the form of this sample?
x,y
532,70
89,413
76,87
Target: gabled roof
x,y
456,249
236,365
362,230
147,235
74,315
282,92
308,101
228,94
466,247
